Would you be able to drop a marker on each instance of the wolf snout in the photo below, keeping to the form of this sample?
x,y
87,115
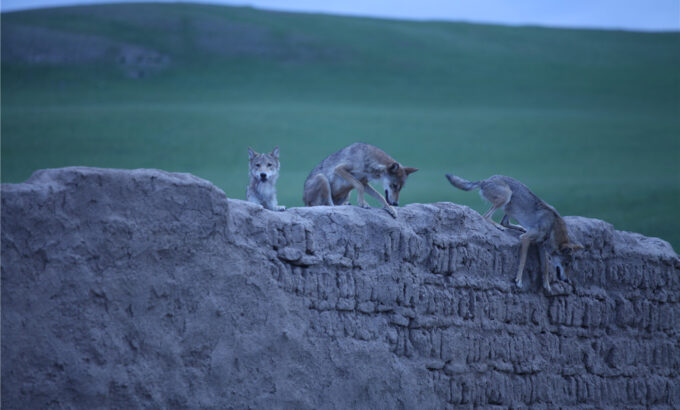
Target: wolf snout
x,y
389,201
263,176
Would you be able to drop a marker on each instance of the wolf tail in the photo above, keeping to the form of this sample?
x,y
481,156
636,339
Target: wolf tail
x,y
461,183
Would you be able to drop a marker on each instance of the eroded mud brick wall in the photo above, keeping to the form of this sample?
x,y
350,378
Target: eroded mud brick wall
x,y
143,288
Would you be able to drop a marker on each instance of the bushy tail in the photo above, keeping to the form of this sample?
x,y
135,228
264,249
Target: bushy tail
x,y
461,183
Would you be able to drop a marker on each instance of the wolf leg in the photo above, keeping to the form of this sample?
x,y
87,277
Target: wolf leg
x,y
250,197
272,204
489,214
318,192
375,194
347,176
499,195
506,223
342,201
546,267
526,239
275,204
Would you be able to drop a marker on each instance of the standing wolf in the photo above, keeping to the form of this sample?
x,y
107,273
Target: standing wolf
x,y
541,224
353,167
264,171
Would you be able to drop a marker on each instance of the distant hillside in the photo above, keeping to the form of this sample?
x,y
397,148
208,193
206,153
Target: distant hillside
x,y
587,118
458,62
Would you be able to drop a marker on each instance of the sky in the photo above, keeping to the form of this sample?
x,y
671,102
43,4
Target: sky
x,y
645,15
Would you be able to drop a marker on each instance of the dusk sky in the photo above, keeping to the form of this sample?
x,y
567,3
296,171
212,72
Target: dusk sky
x,y
611,14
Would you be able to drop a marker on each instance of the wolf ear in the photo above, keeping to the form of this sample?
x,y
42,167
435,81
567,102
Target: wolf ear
x,y
251,153
393,167
275,153
410,170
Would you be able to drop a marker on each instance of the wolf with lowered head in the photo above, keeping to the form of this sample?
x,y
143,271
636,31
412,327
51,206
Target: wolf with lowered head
x,y
353,167
540,222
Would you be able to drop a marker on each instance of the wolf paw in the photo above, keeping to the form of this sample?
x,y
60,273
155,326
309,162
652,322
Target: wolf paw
x,y
280,208
391,211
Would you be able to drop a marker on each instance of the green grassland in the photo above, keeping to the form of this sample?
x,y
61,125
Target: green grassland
x,y
589,119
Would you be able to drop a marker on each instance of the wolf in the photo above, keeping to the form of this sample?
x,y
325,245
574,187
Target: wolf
x,y
539,222
353,167
264,171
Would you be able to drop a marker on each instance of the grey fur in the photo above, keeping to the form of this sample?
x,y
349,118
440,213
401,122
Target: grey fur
x,y
264,172
539,222
353,167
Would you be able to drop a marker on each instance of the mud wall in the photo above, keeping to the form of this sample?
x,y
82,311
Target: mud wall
x,y
128,289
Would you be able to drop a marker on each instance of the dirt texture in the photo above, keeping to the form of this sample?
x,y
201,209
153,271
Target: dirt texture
x,y
146,289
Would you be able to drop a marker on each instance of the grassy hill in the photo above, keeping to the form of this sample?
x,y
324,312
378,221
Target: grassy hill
x,y
588,119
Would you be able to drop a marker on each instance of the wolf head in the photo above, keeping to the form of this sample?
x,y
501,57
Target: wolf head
x,y
563,248
264,167
393,181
